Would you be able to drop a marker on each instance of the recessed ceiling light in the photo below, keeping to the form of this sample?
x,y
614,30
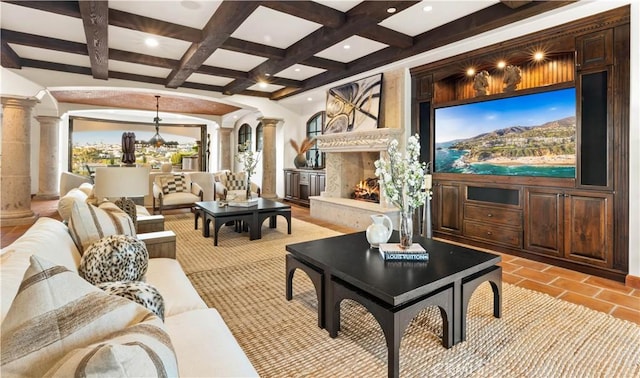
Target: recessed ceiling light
x,y
502,64
471,71
427,8
151,42
346,47
297,70
235,117
391,10
262,84
309,99
538,56
190,4
267,74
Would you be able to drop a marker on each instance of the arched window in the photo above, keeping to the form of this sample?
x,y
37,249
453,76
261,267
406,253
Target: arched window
x,y
259,137
314,128
244,134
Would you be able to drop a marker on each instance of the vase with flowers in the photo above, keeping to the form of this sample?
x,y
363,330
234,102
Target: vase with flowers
x,y
301,149
248,159
402,180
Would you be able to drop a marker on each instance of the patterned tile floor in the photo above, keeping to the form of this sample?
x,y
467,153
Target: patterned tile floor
x,y
594,292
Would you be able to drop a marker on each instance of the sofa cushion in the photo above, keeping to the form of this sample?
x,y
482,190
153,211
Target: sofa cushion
x,y
114,258
208,347
174,184
140,292
47,238
178,293
89,223
56,312
236,181
65,204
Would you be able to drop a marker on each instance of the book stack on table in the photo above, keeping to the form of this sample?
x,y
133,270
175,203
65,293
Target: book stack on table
x,y
393,251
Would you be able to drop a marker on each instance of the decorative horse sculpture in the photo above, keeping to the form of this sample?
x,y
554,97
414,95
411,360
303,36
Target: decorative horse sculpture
x,y
481,83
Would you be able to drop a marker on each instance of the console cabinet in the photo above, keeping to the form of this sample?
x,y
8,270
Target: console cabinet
x,y
579,222
300,184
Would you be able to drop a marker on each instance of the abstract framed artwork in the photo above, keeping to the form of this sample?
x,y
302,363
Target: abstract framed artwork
x,y
354,106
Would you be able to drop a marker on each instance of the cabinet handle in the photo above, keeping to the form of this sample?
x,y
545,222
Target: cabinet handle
x,y
489,215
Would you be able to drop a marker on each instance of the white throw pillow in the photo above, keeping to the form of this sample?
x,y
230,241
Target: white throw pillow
x,y
57,317
89,223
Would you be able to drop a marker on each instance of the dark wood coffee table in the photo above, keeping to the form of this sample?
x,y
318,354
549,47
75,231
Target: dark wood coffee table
x,y
252,216
345,267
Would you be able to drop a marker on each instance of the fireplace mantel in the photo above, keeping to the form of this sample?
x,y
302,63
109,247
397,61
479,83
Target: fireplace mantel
x,y
371,140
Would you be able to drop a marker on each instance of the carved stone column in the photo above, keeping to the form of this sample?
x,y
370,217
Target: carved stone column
x,y
15,164
224,138
269,157
48,163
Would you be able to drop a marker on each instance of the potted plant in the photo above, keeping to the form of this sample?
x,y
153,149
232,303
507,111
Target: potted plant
x,y
300,160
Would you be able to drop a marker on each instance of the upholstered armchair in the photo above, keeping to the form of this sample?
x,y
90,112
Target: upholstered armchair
x,y
229,184
175,190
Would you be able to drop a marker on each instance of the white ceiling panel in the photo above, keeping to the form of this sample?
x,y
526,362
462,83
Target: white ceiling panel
x,y
341,5
268,88
138,69
190,13
209,79
27,52
428,15
233,60
133,41
272,28
358,47
33,21
299,72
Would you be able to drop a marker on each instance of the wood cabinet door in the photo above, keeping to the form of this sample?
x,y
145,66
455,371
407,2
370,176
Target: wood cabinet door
x,y
291,184
589,227
543,221
313,185
447,200
595,49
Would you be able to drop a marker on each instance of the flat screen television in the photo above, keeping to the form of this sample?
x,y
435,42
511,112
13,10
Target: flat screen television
x,y
527,135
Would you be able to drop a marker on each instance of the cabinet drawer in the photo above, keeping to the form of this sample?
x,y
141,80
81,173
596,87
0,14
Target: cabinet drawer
x,y
493,233
493,214
304,178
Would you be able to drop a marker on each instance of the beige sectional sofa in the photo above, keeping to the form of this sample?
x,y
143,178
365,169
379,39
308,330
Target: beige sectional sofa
x,y
203,344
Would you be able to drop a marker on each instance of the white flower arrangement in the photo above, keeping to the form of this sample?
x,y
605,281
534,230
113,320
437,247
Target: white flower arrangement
x,y
248,158
403,178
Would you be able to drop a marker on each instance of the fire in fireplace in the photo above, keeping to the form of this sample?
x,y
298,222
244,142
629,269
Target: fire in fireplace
x,y
367,190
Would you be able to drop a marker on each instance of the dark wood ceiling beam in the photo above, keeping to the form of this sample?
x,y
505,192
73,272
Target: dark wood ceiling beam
x,y
489,18
285,82
227,18
327,64
32,40
152,26
56,67
387,36
66,8
95,19
515,4
361,17
219,71
252,48
310,11
9,58
137,58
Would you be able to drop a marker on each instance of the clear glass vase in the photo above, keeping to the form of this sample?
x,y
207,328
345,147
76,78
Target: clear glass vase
x,y
406,228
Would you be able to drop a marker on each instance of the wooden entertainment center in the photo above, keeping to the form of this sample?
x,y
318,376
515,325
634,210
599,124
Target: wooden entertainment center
x,y
579,223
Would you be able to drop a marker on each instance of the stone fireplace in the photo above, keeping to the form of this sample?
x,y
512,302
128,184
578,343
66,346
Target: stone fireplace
x,y
349,160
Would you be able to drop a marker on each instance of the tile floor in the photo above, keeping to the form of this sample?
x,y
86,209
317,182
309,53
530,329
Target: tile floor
x,y
594,292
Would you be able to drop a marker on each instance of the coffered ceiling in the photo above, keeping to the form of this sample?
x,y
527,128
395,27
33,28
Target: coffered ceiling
x,y
271,49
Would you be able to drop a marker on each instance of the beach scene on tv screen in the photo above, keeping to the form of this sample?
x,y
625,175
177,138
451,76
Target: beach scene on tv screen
x,y
529,135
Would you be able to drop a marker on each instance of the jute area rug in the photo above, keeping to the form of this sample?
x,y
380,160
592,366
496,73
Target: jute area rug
x,y
538,335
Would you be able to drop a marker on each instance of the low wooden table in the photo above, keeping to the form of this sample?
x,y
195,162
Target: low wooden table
x,y
345,267
252,216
